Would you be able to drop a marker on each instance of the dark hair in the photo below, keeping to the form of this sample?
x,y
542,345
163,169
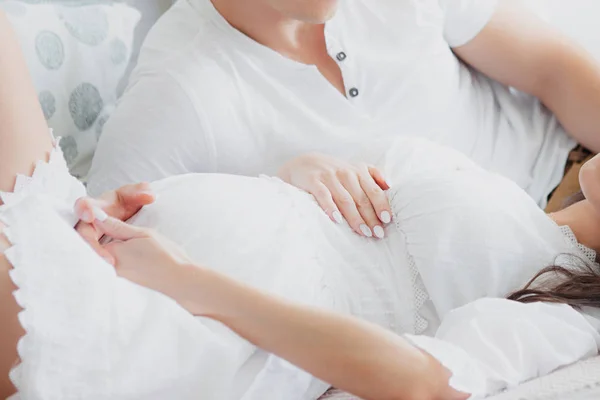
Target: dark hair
x,y
577,286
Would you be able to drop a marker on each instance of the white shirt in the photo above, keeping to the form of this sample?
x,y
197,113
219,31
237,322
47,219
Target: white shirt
x,y
206,98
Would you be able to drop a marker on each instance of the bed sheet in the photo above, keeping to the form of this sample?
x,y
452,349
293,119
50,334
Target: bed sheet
x,y
580,381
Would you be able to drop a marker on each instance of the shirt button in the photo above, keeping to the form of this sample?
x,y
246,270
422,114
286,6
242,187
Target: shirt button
x,y
353,92
341,56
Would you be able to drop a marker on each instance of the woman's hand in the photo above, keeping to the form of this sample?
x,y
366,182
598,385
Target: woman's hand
x,y
436,385
147,258
122,204
343,190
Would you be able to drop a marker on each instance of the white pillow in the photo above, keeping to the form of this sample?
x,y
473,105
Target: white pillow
x,y
77,56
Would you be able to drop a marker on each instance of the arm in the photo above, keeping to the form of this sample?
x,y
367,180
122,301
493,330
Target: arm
x,y
348,353
343,351
518,49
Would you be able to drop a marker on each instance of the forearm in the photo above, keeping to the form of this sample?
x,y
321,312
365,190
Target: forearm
x,y
345,352
572,93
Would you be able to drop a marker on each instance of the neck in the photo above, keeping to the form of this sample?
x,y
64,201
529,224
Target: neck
x,y
298,40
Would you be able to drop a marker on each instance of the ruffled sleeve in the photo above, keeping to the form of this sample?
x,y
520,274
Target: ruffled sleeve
x,y
52,181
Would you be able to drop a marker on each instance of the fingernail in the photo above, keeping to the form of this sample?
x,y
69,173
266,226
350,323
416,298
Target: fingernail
x,y
109,260
386,217
86,216
379,232
100,214
337,217
366,230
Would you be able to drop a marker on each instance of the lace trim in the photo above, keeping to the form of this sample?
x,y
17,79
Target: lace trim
x,y
50,179
52,186
588,253
420,294
50,351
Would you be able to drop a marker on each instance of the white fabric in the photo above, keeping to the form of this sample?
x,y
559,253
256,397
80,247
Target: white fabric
x,y
51,181
274,237
492,345
77,55
575,382
91,335
206,98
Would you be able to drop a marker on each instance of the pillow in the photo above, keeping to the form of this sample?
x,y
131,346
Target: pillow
x,y
77,55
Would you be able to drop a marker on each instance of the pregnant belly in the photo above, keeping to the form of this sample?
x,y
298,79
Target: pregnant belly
x,y
272,236
473,234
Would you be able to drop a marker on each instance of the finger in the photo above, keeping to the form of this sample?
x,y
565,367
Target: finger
x,y
347,206
139,192
351,182
88,209
323,196
377,196
378,177
91,236
457,395
126,201
120,230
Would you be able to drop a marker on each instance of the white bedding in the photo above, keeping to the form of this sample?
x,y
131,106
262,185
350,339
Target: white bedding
x,y
580,381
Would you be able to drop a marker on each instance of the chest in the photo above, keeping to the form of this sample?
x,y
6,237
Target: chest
x,y
392,62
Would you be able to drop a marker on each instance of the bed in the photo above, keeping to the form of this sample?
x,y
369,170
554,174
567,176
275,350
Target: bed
x,y
578,18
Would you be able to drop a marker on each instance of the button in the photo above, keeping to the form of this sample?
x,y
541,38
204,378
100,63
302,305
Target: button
x,y
353,92
341,56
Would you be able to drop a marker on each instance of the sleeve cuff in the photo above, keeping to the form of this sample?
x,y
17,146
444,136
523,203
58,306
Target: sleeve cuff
x,y
465,19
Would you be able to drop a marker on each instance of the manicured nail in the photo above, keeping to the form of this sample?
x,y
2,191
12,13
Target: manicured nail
x,y
109,260
86,216
337,217
379,232
386,217
100,214
366,230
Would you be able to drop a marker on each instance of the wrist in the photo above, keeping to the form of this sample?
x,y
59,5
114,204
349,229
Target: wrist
x,y
192,284
204,292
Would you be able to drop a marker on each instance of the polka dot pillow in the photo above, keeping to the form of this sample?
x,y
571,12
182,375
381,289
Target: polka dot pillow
x,y
77,56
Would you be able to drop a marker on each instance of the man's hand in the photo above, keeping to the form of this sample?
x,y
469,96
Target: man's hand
x,y
121,204
343,190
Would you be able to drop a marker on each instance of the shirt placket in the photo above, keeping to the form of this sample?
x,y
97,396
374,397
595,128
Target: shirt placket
x,y
344,60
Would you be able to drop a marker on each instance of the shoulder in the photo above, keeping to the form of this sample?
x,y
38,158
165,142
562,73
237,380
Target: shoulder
x,y
186,47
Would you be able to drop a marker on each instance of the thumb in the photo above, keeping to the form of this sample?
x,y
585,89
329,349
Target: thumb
x,y
139,197
119,230
460,395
